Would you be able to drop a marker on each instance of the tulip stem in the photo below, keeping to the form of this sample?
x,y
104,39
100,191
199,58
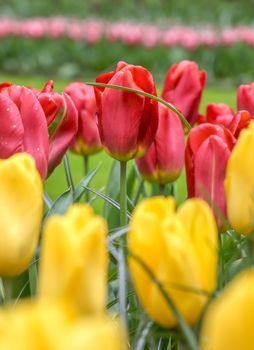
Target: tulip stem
x,y
86,171
121,253
161,189
68,172
32,272
123,194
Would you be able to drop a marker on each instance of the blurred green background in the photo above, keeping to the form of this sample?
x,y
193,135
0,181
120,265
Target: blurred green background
x,y
225,12
226,65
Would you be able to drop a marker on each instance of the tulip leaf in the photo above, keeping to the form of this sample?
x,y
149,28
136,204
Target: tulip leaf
x,y
81,187
62,203
112,191
108,199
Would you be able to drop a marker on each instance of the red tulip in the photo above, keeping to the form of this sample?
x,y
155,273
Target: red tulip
x,y
62,119
183,87
87,140
245,97
207,152
164,159
23,125
222,114
127,121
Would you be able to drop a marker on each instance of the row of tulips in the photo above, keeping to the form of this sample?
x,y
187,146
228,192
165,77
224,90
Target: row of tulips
x,y
148,35
173,254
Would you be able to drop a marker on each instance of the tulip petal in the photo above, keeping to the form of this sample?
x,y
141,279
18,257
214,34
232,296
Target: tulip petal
x,y
12,131
35,130
239,183
128,108
63,135
199,222
20,213
209,173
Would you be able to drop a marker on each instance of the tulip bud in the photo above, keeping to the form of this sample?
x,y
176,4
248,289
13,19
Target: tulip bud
x,y
62,119
228,322
245,97
23,125
127,121
74,259
207,152
183,87
87,141
164,159
179,253
239,183
21,207
54,326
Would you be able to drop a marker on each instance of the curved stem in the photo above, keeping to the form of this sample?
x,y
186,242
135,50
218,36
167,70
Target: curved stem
x,y
86,171
146,94
121,253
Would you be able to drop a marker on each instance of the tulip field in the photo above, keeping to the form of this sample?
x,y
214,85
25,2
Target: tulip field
x,y
126,212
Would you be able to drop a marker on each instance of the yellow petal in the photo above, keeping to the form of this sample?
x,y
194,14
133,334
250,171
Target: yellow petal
x,y
74,259
166,242
201,227
228,323
21,206
239,183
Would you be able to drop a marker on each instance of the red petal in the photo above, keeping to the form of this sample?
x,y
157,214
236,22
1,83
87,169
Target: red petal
x,y
64,134
35,129
11,131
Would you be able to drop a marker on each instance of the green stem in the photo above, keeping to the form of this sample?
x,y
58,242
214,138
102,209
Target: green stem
x,y
32,272
161,190
146,94
121,253
123,194
7,287
86,171
68,172
2,291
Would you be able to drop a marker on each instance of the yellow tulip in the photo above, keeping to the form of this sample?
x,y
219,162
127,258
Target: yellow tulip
x,y
21,206
239,183
91,333
228,323
55,326
74,259
180,249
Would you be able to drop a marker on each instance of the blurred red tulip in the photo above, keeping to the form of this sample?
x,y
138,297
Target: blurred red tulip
x,y
23,125
245,97
62,119
127,121
207,152
222,114
164,160
183,87
87,140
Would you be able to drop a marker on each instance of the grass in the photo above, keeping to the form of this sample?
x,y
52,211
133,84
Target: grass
x,y
56,183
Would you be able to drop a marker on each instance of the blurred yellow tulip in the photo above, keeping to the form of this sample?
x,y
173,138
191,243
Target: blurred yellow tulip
x,y
239,183
228,323
55,326
180,249
21,207
74,259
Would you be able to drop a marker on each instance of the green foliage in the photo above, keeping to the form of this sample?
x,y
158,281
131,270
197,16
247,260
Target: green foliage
x,y
78,60
223,12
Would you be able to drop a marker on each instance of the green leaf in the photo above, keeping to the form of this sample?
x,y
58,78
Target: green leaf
x,y
81,187
62,203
